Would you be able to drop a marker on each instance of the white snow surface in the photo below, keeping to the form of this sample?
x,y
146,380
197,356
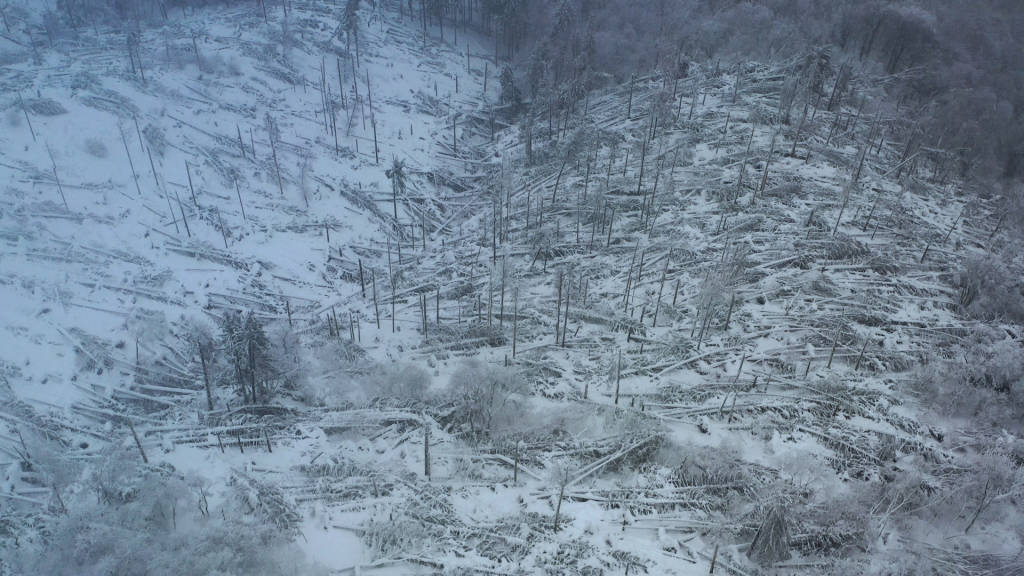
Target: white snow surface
x,y
111,285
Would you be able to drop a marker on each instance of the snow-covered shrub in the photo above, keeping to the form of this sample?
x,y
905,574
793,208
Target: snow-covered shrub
x,y
468,335
388,538
771,542
576,556
983,379
403,382
146,521
785,191
49,464
411,527
488,399
975,493
83,80
342,360
95,148
837,524
156,138
718,473
286,355
990,290
99,541
266,502
146,325
991,477
45,107
218,65
198,331
843,247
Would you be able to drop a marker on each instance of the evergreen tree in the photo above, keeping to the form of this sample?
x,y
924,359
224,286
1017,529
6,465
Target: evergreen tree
x,y
231,346
247,349
509,91
258,357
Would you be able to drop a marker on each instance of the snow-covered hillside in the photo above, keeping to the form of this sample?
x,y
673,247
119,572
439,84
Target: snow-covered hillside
x,y
674,327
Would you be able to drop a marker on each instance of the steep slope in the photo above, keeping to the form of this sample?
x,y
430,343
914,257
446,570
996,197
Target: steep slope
x,y
219,214
711,306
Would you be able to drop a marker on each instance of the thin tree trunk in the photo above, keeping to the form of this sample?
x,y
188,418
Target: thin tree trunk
x,y
138,443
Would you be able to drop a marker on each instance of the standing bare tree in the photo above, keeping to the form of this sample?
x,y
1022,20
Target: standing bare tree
x,y
398,179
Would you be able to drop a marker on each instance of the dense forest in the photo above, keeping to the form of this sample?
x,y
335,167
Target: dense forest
x,y
951,69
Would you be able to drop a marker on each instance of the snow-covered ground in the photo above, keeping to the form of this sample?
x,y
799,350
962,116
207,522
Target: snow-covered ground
x,y
697,336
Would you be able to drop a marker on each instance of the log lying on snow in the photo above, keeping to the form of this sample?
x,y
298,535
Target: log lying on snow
x,y
602,462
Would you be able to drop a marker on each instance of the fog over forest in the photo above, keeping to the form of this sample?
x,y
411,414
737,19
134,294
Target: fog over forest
x,y
390,287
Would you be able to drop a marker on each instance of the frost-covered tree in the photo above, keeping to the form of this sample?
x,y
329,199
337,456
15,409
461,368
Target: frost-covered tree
x,y
247,351
351,23
398,181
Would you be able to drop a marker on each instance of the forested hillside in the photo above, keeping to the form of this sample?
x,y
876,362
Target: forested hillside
x,y
511,287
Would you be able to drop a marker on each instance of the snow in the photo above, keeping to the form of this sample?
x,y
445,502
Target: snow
x,y
116,271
